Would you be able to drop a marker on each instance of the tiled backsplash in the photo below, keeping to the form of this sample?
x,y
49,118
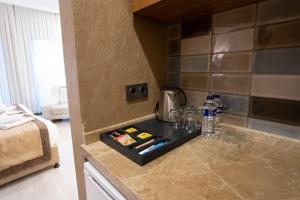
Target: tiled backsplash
x,y
249,55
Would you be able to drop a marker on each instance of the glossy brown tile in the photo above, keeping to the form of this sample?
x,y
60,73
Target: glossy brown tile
x,y
229,83
174,47
174,79
234,120
279,35
236,104
275,128
276,86
232,62
225,42
174,32
174,63
277,61
196,28
234,41
243,17
277,11
197,63
196,45
195,81
279,110
195,98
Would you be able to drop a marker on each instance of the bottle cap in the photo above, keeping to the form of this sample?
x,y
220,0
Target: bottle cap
x,y
216,96
209,98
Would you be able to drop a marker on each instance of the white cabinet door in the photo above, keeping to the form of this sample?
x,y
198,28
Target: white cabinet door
x,y
94,191
98,187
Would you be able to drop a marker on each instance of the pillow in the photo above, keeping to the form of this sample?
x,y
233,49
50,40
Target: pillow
x,y
63,97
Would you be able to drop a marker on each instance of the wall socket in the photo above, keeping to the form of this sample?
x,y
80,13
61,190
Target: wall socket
x,y
136,92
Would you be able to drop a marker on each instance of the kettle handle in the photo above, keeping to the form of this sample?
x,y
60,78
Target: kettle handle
x,y
183,93
156,109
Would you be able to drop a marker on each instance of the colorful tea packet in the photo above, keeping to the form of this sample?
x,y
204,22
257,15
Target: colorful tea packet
x,y
125,140
144,135
131,130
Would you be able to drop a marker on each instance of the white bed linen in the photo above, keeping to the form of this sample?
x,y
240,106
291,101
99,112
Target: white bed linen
x,y
52,129
12,124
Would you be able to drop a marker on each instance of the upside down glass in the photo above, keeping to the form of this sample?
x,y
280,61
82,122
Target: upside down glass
x,y
186,118
191,122
199,117
176,115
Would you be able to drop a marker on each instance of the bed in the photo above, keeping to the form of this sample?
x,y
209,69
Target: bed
x,y
27,148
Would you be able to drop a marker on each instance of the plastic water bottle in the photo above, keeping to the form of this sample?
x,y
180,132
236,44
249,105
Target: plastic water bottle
x,y
209,114
220,108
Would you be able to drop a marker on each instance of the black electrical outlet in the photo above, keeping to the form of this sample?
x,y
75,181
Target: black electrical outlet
x,y
136,92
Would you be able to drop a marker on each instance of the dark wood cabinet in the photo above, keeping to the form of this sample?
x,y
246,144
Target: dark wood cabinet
x,y
140,4
173,11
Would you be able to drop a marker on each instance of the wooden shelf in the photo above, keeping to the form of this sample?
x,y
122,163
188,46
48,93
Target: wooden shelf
x,y
174,11
140,4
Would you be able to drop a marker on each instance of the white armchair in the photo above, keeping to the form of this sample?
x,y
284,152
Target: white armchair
x,y
57,105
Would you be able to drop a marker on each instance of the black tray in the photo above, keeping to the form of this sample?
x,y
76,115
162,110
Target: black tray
x,y
159,130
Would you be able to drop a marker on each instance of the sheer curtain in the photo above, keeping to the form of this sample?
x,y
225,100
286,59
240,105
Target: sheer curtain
x,y
35,63
9,67
43,50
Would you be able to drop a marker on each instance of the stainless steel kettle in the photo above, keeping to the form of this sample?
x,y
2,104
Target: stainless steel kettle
x,y
169,99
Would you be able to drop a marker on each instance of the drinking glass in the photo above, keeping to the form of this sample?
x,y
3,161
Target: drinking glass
x,y
191,122
182,113
199,117
176,116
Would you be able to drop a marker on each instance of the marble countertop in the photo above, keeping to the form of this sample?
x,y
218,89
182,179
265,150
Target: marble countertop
x,y
241,164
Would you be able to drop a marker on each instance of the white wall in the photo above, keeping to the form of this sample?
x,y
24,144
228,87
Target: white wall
x,y
45,5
